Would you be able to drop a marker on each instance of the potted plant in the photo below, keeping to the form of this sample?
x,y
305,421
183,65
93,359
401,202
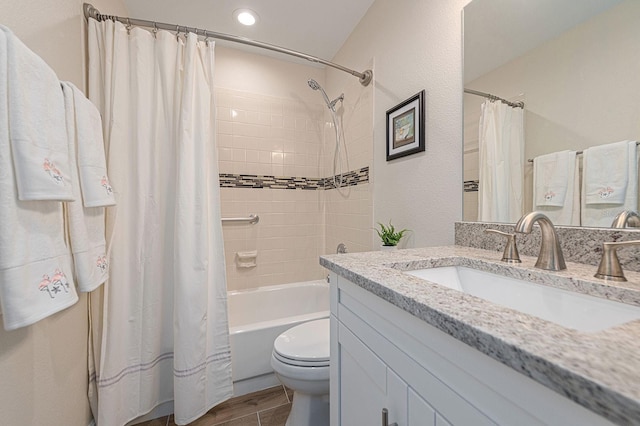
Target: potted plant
x,y
389,236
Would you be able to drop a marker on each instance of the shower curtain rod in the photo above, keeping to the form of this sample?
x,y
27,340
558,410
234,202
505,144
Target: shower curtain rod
x,y
91,12
530,160
495,98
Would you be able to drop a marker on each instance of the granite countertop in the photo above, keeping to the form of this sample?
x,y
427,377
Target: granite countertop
x,y
599,370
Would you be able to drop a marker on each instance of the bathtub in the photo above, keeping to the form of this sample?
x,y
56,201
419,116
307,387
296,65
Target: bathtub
x,y
258,316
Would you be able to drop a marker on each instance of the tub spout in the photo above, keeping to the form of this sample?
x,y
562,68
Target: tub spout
x,y
550,256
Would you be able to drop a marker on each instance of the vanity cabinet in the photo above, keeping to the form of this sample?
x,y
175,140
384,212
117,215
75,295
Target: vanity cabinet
x,y
384,357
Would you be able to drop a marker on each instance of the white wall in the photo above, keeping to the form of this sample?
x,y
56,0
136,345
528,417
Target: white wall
x,y
43,368
415,45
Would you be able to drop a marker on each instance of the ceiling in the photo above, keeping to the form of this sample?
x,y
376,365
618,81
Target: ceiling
x,y
317,28
497,31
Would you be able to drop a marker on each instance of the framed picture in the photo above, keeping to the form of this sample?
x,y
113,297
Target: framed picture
x,y
405,127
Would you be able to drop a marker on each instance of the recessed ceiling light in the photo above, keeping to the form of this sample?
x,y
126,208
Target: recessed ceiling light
x,y
246,16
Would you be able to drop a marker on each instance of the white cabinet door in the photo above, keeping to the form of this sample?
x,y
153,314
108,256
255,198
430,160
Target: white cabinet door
x,y
363,382
419,411
441,421
396,402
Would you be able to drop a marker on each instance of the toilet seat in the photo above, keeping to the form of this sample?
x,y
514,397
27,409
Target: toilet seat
x,y
300,363
305,345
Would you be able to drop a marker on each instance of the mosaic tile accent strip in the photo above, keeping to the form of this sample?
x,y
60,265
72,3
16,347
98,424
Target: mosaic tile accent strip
x,y
351,178
471,185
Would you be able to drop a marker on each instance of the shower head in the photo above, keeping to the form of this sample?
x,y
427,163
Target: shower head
x,y
330,104
313,84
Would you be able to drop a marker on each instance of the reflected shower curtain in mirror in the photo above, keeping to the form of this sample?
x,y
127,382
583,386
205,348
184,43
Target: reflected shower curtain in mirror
x,y
501,152
160,332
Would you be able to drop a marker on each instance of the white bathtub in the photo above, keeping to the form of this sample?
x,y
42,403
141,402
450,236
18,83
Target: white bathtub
x,y
258,316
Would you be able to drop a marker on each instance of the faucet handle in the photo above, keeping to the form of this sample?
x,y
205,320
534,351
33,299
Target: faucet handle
x,y
510,254
609,267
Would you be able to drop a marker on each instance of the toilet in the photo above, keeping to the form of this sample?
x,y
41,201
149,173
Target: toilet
x,y
300,359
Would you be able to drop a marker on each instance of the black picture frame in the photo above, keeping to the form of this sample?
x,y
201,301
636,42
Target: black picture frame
x,y
405,127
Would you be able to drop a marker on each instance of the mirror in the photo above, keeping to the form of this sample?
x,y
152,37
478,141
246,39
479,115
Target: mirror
x,y
574,64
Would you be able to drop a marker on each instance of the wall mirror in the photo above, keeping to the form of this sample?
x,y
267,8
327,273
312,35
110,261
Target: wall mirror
x,y
574,64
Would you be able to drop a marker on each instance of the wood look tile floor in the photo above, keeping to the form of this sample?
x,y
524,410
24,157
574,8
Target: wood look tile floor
x,y
269,407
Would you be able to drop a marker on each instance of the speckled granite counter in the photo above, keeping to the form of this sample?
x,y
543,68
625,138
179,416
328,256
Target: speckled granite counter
x,y
599,370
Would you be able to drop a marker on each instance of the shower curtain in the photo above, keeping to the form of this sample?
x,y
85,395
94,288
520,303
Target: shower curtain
x,y
159,331
501,152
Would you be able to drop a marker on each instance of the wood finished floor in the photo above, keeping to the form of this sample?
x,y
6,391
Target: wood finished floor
x,y
269,407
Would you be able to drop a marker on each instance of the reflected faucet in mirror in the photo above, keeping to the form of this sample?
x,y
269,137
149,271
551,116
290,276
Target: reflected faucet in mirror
x,y
550,256
627,218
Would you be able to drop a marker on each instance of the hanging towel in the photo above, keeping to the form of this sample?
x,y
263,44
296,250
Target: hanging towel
x,y
92,166
552,177
606,172
601,214
86,224
35,262
37,130
569,212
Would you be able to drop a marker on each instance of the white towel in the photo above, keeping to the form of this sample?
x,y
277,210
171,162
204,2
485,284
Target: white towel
x,y
569,213
606,172
602,215
86,224
35,262
552,177
37,130
92,166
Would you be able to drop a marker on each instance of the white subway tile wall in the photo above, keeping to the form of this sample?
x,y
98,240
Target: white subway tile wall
x,y
289,237
265,135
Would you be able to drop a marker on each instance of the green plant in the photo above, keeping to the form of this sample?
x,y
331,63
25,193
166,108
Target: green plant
x,y
388,234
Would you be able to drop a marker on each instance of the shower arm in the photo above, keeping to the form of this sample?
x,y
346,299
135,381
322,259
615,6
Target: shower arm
x,y
91,12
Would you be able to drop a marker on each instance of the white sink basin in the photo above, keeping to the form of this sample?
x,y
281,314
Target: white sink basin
x,y
566,308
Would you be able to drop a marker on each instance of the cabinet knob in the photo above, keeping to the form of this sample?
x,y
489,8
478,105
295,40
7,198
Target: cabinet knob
x,y
385,418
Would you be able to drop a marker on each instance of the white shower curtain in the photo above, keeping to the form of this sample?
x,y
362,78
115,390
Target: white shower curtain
x,y
501,152
160,332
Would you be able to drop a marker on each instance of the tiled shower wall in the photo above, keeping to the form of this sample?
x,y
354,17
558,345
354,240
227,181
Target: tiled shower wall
x,y
291,137
265,135
270,136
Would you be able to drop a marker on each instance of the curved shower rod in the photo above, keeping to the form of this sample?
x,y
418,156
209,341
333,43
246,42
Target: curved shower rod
x,y
91,12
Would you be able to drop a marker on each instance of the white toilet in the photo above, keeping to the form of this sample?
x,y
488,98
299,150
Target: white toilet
x,y
300,360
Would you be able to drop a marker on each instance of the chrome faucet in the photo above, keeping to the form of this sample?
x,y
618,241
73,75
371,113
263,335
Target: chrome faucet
x,y
626,218
609,268
550,257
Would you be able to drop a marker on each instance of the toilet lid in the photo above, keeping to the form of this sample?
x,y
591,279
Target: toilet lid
x,y
305,342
